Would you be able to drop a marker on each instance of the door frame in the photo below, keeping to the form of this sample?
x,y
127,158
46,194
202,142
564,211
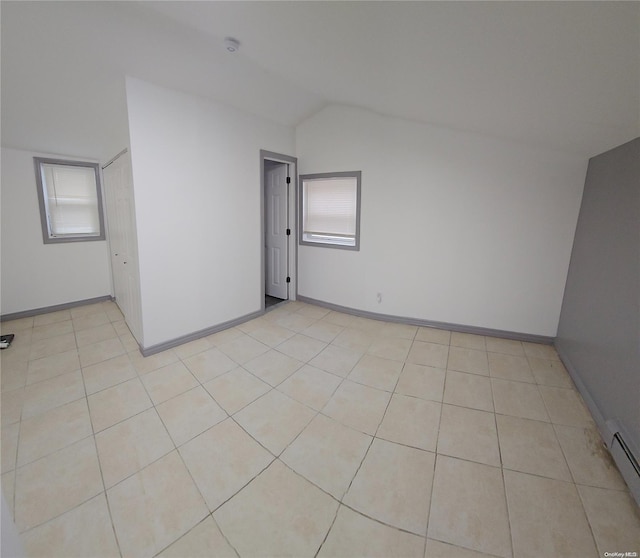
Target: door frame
x,y
292,219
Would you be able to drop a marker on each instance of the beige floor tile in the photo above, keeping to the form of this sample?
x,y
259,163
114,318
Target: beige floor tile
x,y
48,394
57,483
271,335
52,346
81,532
87,310
468,341
355,535
98,352
338,318
144,365
49,318
169,381
190,414
210,364
301,347
273,367
311,386
327,454
354,339
203,541
469,507
468,390
550,373
540,351
238,458
93,320
368,325
113,312
428,354
547,518
393,348
411,421
468,360
504,346
315,312
51,330
11,406
236,389
274,420
243,349
191,348
437,549
399,331
293,523
130,445
424,382
358,406
8,485
614,518
117,403
531,446
433,335
246,327
22,324
469,434
155,507
222,337
93,335
294,322
589,460
107,374
393,485
336,360
518,399
323,331
14,375
121,327
377,372
510,367
9,445
565,406
53,430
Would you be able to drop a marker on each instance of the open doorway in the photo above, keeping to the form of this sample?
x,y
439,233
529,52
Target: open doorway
x,y
278,180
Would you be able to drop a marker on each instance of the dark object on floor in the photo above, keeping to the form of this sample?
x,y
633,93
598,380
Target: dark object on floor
x,y
5,340
271,301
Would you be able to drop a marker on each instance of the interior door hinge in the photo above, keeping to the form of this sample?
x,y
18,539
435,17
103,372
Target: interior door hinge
x,y
288,232
288,180
288,279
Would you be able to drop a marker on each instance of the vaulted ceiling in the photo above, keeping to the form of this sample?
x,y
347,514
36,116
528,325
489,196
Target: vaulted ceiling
x,y
562,75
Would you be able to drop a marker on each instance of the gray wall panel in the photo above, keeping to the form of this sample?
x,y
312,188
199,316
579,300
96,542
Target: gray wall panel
x,y
599,329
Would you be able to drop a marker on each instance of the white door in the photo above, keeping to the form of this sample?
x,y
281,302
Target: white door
x,y
122,240
276,240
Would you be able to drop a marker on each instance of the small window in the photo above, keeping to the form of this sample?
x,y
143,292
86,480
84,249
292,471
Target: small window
x,y
330,210
70,200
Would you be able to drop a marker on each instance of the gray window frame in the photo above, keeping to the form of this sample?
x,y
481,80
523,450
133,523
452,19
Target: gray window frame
x,y
44,220
325,175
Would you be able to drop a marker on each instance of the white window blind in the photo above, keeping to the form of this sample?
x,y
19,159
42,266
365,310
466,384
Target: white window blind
x,y
330,207
71,200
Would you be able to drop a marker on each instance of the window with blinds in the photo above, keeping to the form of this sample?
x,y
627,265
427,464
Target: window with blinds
x,y
70,200
330,209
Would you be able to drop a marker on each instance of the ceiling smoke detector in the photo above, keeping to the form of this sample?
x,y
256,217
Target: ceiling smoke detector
x,y
231,44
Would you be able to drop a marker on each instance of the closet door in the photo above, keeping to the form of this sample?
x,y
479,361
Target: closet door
x,y
118,186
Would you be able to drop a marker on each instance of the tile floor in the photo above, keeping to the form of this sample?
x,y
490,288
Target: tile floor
x,y
304,432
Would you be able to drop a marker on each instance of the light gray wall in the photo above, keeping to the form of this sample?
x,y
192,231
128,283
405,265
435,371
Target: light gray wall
x,y
599,332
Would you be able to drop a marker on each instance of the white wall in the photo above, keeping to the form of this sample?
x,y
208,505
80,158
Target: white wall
x,y
196,177
455,227
34,274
